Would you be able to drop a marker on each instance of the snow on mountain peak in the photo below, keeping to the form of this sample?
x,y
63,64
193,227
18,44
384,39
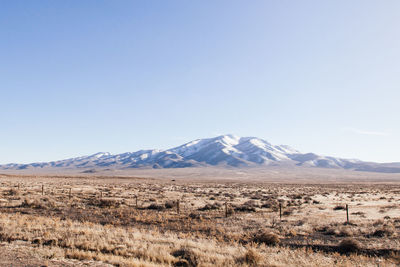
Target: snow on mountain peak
x,y
101,154
258,143
221,150
229,139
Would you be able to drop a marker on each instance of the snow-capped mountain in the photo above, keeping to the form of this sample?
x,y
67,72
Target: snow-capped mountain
x,y
225,150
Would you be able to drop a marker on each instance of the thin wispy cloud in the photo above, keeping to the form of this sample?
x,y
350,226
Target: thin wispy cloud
x,y
366,132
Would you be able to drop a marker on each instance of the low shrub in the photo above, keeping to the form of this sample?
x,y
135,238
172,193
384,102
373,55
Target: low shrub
x,y
194,215
169,204
214,206
187,257
154,206
268,238
349,245
383,232
339,207
245,208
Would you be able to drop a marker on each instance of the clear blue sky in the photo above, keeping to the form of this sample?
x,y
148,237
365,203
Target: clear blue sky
x,y
78,77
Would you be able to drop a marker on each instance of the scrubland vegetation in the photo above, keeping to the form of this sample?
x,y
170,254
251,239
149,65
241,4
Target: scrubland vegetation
x,y
121,221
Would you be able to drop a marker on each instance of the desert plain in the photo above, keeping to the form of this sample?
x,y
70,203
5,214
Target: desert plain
x,y
200,217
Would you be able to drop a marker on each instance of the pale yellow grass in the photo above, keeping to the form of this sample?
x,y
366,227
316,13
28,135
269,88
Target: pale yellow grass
x,y
132,247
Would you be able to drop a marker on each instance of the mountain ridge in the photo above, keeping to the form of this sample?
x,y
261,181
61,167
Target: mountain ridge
x,y
225,150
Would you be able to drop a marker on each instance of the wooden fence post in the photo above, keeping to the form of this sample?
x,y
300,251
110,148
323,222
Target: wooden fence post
x,y
42,189
70,193
280,211
136,201
226,209
177,206
347,212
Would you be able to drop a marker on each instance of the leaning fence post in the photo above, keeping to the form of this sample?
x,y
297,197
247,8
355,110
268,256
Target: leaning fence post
x,y
347,212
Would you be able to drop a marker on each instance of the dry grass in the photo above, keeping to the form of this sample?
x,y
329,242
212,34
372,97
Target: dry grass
x,y
101,221
131,247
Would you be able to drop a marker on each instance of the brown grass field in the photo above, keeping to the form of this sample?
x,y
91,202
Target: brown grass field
x,y
200,218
